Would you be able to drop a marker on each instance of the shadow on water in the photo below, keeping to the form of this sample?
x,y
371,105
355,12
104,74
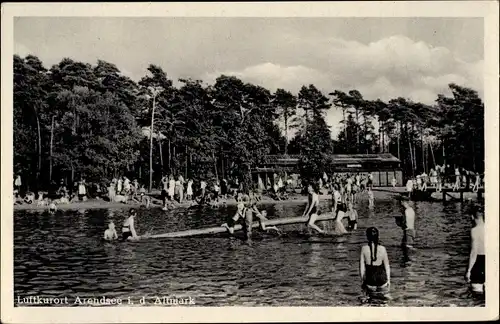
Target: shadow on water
x,y
63,255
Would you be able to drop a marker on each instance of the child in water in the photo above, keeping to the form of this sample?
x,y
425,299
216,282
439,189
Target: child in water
x,y
371,198
110,234
52,207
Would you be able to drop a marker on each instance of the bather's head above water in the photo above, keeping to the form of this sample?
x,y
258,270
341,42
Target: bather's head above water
x,y
372,235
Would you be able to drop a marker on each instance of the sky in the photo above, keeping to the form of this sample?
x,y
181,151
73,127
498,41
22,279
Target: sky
x,y
384,58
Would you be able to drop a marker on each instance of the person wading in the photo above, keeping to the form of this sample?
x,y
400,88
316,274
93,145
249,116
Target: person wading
x,y
312,209
374,265
475,274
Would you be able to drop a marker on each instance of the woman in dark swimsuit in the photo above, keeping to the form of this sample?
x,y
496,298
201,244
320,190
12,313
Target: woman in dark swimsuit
x,y
374,264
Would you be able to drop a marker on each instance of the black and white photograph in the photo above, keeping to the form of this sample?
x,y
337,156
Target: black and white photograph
x,y
204,161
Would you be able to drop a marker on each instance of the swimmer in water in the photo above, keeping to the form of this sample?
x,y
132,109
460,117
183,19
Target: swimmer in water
x,y
110,234
352,215
475,274
128,228
374,265
52,207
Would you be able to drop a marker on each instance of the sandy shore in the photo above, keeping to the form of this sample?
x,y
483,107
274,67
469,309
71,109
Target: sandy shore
x,y
379,193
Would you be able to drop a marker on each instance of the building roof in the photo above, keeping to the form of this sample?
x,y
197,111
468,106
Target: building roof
x,y
337,158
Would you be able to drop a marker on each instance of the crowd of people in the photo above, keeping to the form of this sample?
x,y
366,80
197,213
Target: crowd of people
x,y
345,190
445,177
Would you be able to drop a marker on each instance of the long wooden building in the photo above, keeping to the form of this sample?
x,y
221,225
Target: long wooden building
x,y
383,166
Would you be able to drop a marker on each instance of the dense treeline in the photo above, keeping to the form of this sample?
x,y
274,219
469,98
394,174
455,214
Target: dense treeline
x,y
80,120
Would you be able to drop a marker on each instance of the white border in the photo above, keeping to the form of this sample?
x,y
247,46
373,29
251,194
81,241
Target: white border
x,y
486,9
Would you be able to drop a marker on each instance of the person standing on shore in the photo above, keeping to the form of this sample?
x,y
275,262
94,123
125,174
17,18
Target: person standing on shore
x,y
370,180
456,185
475,275
171,187
18,183
394,182
409,187
477,182
164,191
82,191
189,190
203,187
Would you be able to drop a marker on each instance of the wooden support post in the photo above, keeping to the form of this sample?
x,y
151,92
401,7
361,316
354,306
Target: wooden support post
x,y
461,195
444,195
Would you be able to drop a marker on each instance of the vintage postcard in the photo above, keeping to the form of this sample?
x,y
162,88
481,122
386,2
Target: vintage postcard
x,y
249,162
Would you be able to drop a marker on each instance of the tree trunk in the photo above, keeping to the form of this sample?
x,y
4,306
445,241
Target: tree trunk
x,y
186,162
174,159
411,157
51,145
39,166
399,135
161,155
423,147
215,165
169,156
151,146
222,167
432,153
444,155
345,125
365,140
286,131
357,130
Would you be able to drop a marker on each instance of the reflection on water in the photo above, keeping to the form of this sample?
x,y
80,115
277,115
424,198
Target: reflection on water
x,y
62,255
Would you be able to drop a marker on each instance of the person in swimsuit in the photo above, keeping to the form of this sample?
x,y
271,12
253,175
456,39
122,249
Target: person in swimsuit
x,y
371,198
239,216
409,187
374,265
475,274
352,215
338,204
394,182
370,181
311,209
110,234
456,185
407,224
475,187
128,228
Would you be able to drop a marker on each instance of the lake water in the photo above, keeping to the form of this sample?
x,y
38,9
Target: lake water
x,y
62,255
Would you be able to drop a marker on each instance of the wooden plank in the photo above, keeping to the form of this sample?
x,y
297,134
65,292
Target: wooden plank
x,y
220,229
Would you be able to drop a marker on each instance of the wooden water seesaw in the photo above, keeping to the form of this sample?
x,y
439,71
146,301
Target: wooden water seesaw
x,y
221,229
